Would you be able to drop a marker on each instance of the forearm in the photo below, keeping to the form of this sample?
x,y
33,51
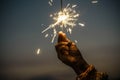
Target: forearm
x,y
86,71
92,74
69,54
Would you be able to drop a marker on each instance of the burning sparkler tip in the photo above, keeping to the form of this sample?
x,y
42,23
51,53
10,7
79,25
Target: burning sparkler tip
x,y
64,19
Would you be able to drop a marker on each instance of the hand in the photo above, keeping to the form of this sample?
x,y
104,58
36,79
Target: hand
x,y
69,54
67,50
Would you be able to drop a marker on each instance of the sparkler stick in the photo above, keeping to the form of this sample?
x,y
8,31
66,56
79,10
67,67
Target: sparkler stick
x,y
65,19
61,5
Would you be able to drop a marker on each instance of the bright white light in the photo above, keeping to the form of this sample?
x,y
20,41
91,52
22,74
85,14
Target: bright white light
x,y
38,51
74,6
62,17
63,20
76,41
81,24
94,1
50,2
46,35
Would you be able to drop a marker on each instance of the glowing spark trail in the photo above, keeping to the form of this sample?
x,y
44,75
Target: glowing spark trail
x,y
94,1
50,2
38,51
65,19
76,41
81,24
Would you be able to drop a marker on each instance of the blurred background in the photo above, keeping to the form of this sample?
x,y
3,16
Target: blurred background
x,y
20,37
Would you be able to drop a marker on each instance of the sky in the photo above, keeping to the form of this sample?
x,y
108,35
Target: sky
x,y
20,32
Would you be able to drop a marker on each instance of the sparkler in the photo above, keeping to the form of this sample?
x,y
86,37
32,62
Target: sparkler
x,y
65,19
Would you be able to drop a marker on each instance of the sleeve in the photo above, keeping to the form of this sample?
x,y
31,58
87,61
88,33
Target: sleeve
x,y
92,74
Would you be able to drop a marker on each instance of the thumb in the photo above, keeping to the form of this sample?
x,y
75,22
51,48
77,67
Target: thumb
x,y
62,37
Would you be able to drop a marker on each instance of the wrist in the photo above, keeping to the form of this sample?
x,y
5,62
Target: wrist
x,y
87,74
80,67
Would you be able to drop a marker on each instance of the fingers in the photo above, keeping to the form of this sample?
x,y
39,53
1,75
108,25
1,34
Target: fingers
x,y
62,37
69,44
62,40
64,47
60,47
62,50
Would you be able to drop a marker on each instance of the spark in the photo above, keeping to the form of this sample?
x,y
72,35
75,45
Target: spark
x,y
76,41
74,6
50,2
55,33
38,51
46,35
65,19
81,24
94,1
69,30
